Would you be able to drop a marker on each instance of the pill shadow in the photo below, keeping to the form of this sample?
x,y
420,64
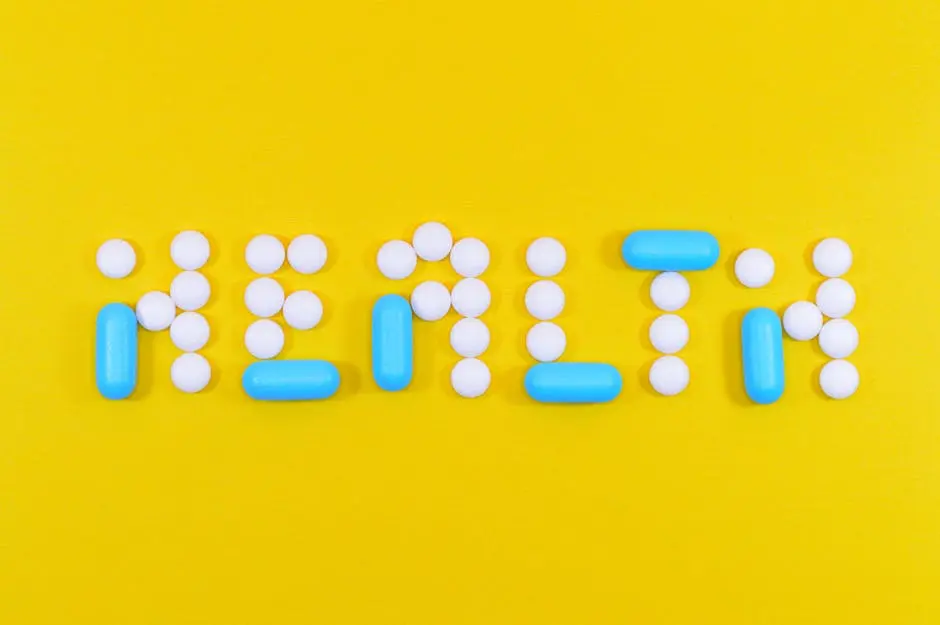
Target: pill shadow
x,y
643,377
733,368
511,384
350,380
814,382
146,342
611,250
644,294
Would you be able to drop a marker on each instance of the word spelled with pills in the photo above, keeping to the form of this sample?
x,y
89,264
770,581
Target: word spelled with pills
x,y
670,253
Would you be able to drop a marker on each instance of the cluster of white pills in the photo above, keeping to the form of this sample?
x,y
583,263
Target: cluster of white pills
x,y
545,300
669,333
265,297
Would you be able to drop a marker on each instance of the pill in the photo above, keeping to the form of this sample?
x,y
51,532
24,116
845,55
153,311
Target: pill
x,y
545,341
116,351
264,297
754,268
802,321
470,378
306,254
670,291
670,250
573,382
835,298
264,339
544,300
762,355
471,297
546,257
290,380
303,310
469,337
832,257
190,373
669,375
190,290
470,257
116,258
838,338
392,343
839,379
265,254
396,260
669,334
189,331
430,300
190,250
155,311
432,241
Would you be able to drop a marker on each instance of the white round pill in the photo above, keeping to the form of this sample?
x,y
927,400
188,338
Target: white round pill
x,y
432,241
669,375
264,339
669,334
546,257
839,379
306,254
190,250
470,378
835,298
190,290
155,311
545,341
544,300
265,254
190,373
430,300
470,297
470,257
838,338
754,268
189,331
802,321
264,297
303,310
670,291
116,258
832,257
469,337
397,260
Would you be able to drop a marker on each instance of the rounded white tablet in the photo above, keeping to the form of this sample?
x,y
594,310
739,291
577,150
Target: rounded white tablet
x,y
470,378
470,297
839,379
802,321
832,257
116,258
545,341
155,311
190,290
432,241
265,254
306,254
670,291
396,260
430,300
190,250
544,300
469,337
190,373
838,338
835,298
189,331
264,297
546,257
303,310
754,268
669,334
470,257
669,375
264,339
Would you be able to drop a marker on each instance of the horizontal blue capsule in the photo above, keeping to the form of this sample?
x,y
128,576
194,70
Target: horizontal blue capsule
x,y
670,250
762,354
573,382
392,343
116,351
290,380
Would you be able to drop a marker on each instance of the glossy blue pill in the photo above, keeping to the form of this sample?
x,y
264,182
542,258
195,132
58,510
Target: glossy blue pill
x,y
670,250
392,343
573,382
116,351
290,380
762,353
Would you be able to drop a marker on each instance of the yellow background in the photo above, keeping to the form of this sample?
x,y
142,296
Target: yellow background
x,y
771,124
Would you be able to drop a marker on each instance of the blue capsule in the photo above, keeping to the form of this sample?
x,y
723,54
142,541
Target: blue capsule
x,y
290,380
762,353
573,382
670,250
116,351
392,343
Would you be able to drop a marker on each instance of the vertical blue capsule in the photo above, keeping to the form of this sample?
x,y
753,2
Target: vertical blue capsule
x,y
116,351
762,353
392,343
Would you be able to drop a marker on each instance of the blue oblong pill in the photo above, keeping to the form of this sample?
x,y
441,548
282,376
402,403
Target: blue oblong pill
x,y
392,343
573,382
116,351
670,250
290,380
762,353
